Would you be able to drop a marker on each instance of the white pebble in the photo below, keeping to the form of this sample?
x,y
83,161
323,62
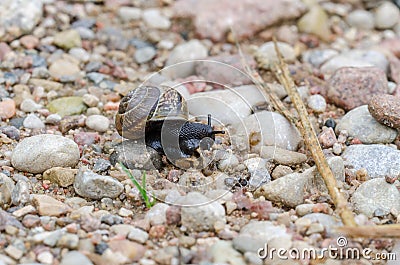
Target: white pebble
x,y
98,123
154,19
29,105
386,15
33,122
317,103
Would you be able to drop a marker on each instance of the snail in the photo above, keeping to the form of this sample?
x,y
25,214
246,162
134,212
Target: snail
x,y
160,116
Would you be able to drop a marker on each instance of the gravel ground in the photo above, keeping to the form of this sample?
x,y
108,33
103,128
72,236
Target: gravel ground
x,y
66,65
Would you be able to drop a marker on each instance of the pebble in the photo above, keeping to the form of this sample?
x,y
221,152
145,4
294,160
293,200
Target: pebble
x,y
68,39
361,19
63,68
67,106
378,160
267,54
101,165
386,15
282,156
80,54
350,87
45,257
11,132
386,109
14,252
317,103
145,54
20,194
317,57
31,155
24,211
256,234
98,123
376,194
131,251
265,128
316,22
6,188
327,138
281,171
33,122
46,84
53,119
29,105
222,252
29,41
188,51
7,108
361,125
154,19
48,206
91,185
228,161
138,235
200,214
127,13
225,69
63,177
356,58
157,214
69,241
75,257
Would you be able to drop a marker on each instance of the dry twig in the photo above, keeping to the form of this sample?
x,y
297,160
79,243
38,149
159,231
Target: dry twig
x,y
389,231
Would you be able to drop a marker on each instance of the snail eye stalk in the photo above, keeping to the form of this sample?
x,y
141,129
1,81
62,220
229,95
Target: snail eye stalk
x,y
209,124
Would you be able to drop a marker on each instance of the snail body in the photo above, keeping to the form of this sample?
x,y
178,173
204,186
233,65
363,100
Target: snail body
x,y
160,116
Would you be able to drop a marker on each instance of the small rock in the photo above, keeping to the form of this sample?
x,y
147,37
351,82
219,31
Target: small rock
x,y
281,171
317,57
31,155
138,235
61,176
80,54
145,54
361,19
98,123
7,109
33,122
69,241
360,124
376,194
14,252
315,21
282,156
67,106
48,206
127,13
378,160
356,59
386,109
90,100
28,105
317,103
11,132
29,41
53,119
130,250
327,138
61,67
46,84
6,188
386,15
91,185
157,214
75,257
222,252
101,165
199,213
265,128
20,194
68,39
24,211
154,19
45,257
189,51
267,54
350,87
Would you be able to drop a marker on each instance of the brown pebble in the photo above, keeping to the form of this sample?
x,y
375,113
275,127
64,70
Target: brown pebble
x,y
7,109
385,109
29,41
327,138
350,87
173,215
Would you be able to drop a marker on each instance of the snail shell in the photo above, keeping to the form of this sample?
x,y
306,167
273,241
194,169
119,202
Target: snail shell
x,y
146,105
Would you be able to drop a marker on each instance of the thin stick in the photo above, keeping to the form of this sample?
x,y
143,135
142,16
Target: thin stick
x,y
388,231
282,73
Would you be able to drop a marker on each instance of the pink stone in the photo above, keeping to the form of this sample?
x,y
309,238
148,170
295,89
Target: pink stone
x,y
327,138
7,109
29,41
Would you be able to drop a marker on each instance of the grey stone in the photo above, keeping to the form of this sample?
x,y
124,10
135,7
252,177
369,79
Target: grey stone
x,y
199,213
361,19
360,124
378,160
91,185
33,122
328,221
157,214
317,103
317,57
386,15
282,156
41,152
20,193
138,235
98,123
154,19
145,54
29,105
127,13
6,188
269,56
376,194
